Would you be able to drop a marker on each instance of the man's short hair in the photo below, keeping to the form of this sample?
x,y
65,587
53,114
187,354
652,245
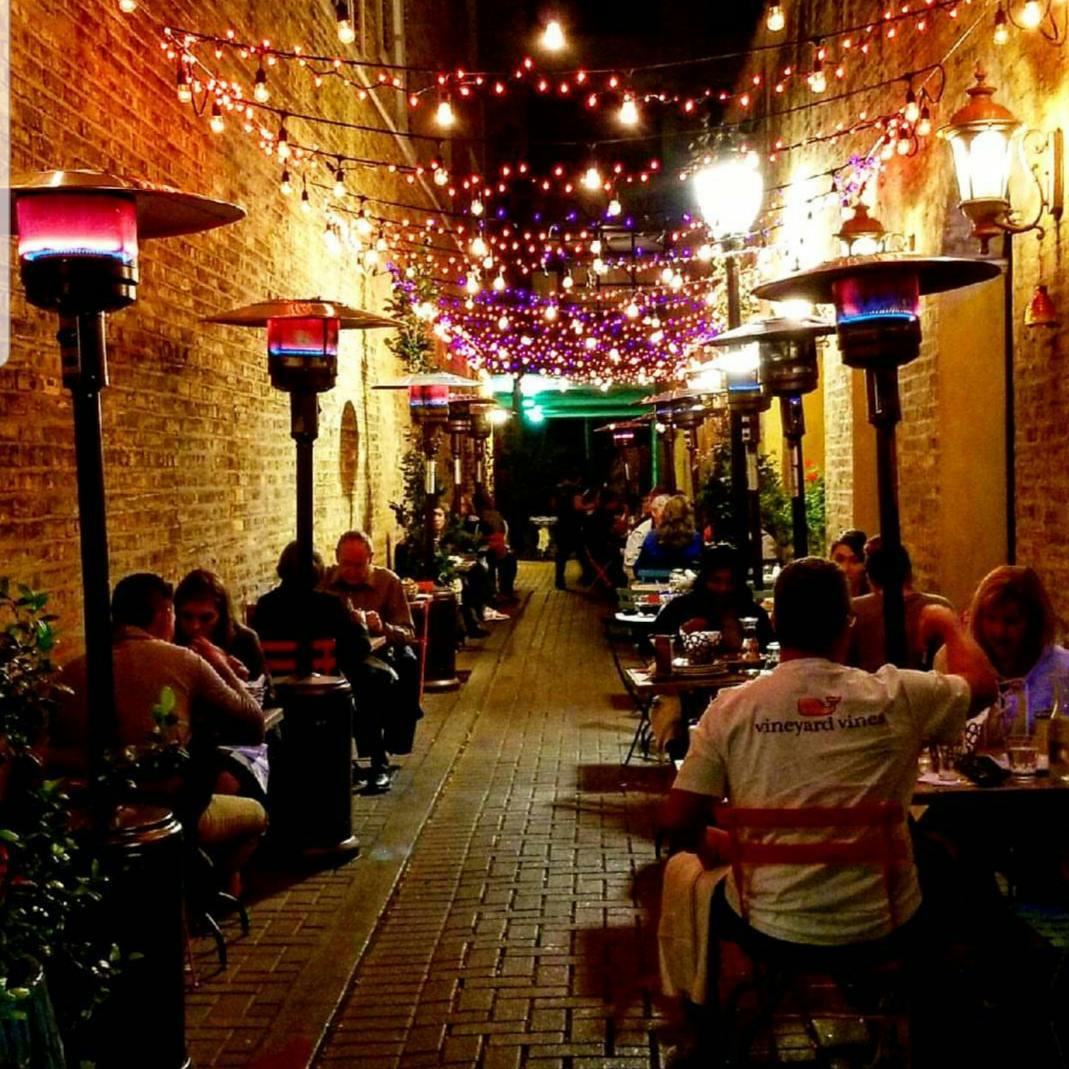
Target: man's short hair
x,y
137,599
354,536
290,570
883,567
812,605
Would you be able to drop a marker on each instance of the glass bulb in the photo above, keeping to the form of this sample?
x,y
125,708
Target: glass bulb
x,y
631,311
499,283
260,91
775,20
553,36
306,202
363,226
613,208
472,285
185,94
1002,29
216,122
339,184
441,176
479,247
912,109
924,123
283,146
503,323
551,312
476,207
592,179
567,282
285,187
445,116
818,81
127,7
1031,14
628,114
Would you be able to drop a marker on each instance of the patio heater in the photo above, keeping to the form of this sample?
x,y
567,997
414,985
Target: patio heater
x,y
623,434
787,351
463,416
877,315
78,236
302,360
482,430
729,192
429,404
680,409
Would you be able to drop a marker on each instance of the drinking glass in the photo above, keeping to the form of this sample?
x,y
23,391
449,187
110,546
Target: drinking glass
x,y
1022,755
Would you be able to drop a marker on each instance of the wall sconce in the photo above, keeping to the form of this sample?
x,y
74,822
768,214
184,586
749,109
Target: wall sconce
x,y
984,137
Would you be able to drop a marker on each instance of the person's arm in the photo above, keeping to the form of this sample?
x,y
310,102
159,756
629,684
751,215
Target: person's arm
x,y
222,706
397,624
964,657
685,818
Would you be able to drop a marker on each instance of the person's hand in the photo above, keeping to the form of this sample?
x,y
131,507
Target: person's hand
x,y
697,624
218,658
373,622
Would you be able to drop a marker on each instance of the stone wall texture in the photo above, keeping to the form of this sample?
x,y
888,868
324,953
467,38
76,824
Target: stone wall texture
x,y
199,461
951,441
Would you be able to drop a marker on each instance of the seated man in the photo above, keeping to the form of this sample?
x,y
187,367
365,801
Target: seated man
x,y
376,598
867,644
817,733
211,705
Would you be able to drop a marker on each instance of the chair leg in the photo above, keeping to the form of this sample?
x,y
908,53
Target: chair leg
x,y
217,934
230,902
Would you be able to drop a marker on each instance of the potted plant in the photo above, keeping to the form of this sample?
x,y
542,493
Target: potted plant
x,y
50,889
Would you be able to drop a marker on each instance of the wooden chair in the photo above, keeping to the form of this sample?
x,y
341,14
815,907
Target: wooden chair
x,y
867,985
281,656
420,614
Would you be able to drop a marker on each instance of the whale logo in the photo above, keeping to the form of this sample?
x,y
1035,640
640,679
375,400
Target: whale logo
x,y
819,706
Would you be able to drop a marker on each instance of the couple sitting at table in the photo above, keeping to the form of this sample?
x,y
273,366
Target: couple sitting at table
x,y
816,733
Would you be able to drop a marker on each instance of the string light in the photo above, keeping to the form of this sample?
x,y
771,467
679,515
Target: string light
x,y
285,186
306,201
817,79
628,114
339,184
185,93
1031,14
445,117
775,20
613,209
553,36
216,122
924,123
283,142
127,7
346,33
1002,29
912,111
592,179
476,207
260,91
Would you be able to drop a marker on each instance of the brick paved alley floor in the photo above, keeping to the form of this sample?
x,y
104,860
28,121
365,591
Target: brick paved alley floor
x,y
502,911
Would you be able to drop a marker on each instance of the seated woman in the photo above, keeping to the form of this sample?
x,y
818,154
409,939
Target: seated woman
x,y
674,543
719,601
1013,621
848,551
204,621
494,530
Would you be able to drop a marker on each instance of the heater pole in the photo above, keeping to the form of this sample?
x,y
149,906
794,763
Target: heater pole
x,y
740,504
83,351
884,414
670,458
750,428
304,428
793,419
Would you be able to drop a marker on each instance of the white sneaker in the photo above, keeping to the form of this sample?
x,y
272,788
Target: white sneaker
x,y
493,616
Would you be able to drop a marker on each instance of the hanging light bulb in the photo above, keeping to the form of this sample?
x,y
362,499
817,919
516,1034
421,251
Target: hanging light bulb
x,y
260,91
818,80
339,184
445,116
595,247
628,114
479,246
904,142
631,311
550,312
216,122
666,275
503,323
363,223
330,238
592,179
553,36
912,109
613,208
441,176
488,262
283,144
1002,29
599,266
346,33
127,7
185,93
590,343
705,252
775,20
306,202
285,187
499,283
476,207
1031,14
567,282
924,123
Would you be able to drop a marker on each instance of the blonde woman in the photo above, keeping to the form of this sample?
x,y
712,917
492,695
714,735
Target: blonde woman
x,y
674,543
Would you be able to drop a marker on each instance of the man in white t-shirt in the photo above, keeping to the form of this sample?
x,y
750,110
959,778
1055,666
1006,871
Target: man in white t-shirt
x,y
817,733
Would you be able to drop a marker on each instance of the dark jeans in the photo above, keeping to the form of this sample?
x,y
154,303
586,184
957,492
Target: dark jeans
x,y
503,572
386,693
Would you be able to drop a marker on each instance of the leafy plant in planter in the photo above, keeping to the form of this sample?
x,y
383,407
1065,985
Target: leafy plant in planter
x,y
50,886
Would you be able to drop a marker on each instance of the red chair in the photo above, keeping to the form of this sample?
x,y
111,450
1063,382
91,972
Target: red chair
x,y
822,982
281,656
420,610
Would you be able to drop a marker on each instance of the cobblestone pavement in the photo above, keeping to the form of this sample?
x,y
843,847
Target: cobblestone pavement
x,y
501,911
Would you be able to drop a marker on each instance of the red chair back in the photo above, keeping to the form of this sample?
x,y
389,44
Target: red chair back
x,y
869,833
281,656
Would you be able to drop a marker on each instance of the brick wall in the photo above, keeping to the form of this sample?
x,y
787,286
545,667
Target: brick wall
x,y
951,444
199,462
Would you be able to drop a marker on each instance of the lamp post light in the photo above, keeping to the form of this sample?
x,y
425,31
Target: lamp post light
x,y
788,368
730,192
78,238
302,360
78,243
877,314
984,137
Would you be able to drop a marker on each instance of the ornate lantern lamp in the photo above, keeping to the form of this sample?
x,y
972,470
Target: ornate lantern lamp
x,y
78,242
302,360
877,306
788,370
984,137
861,234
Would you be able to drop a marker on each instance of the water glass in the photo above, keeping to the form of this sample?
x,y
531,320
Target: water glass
x,y
1022,755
